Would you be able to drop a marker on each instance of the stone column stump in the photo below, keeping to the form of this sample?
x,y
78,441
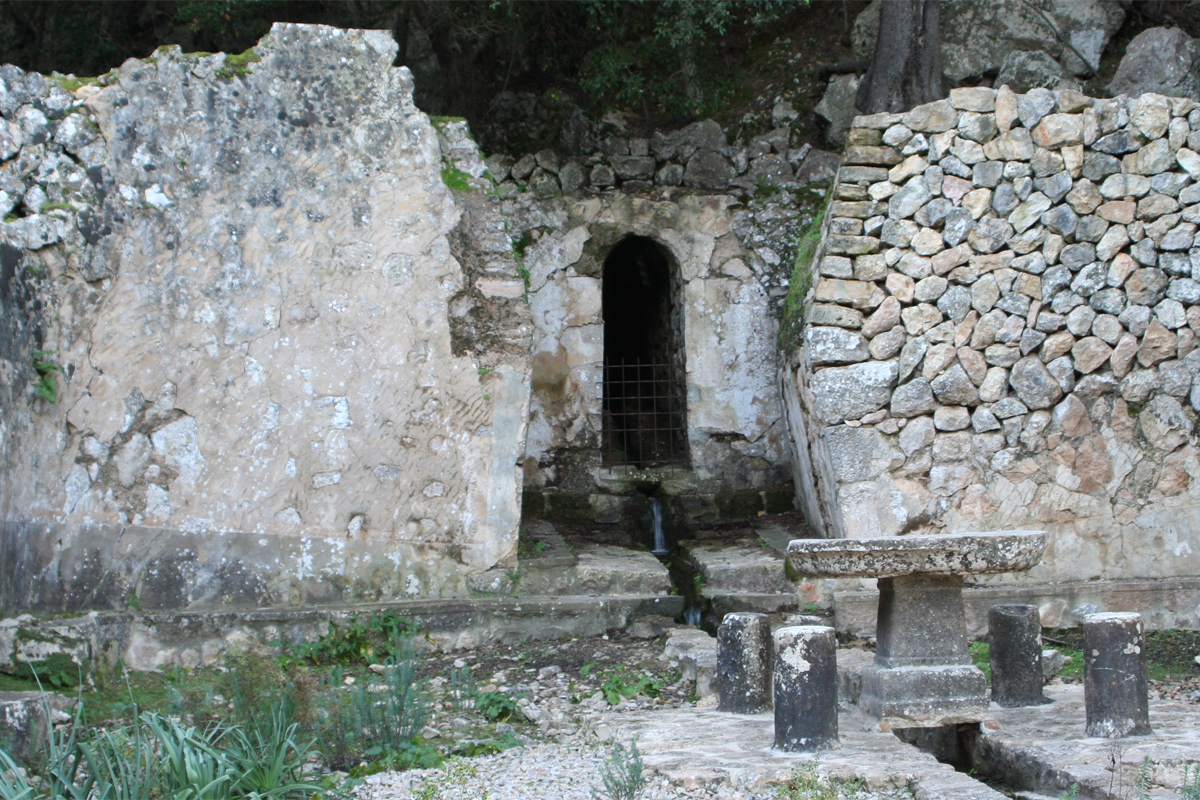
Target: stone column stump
x,y
805,688
1015,645
1116,693
744,663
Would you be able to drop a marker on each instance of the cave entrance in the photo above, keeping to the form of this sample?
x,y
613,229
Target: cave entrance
x,y
645,412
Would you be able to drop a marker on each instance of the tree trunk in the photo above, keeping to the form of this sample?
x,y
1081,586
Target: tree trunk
x,y
906,69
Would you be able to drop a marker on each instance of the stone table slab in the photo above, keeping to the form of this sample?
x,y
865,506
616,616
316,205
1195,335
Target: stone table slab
x,y
898,556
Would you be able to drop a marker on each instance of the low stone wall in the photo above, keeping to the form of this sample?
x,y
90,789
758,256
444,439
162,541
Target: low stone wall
x,y
696,157
1001,331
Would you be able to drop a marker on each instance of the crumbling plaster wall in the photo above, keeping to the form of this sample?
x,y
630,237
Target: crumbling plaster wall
x,y
1002,331
247,270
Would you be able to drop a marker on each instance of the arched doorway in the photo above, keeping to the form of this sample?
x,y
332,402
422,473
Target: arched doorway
x,y
645,411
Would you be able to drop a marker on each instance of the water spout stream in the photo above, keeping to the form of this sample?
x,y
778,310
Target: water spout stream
x,y
656,514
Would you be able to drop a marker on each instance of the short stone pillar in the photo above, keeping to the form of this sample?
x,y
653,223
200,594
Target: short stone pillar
x,y
1116,693
1015,645
805,688
744,663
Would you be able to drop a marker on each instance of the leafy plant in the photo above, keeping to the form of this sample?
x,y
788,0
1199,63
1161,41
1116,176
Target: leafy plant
x,y
618,685
622,774
410,755
981,656
1070,794
375,638
496,706
46,386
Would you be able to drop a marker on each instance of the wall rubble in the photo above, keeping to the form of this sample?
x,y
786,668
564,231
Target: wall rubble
x,y
1002,330
246,268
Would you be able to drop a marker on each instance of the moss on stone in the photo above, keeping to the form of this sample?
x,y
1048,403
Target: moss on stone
x,y
791,328
238,66
456,179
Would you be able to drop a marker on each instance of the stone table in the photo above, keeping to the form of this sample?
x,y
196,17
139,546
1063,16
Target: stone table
x,y
923,675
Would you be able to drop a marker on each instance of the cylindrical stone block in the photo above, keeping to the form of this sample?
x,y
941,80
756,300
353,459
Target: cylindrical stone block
x,y
744,663
1114,675
1015,645
805,688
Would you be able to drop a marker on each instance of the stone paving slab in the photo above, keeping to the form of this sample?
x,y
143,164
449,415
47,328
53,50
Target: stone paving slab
x,y
701,746
1045,749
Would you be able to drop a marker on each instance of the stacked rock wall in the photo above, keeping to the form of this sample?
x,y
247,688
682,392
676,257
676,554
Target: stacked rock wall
x,y
295,364
696,157
1002,329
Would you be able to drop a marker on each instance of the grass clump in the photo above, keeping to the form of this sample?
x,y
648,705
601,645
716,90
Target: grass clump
x,y
622,774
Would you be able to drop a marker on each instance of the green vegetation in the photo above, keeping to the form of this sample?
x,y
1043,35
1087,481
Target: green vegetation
x,y
48,207
456,179
238,66
68,82
622,774
1190,788
496,706
314,720
792,325
982,658
807,783
359,640
46,385
619,684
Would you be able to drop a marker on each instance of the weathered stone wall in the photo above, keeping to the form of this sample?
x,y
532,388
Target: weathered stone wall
x,y
1002,330
733,256
696,157
296,363
736,434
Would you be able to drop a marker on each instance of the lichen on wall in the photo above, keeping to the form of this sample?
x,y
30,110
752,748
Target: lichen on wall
x,y
1003,332
251,291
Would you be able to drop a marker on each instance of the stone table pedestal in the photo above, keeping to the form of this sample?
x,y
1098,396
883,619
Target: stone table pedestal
x,y
923,675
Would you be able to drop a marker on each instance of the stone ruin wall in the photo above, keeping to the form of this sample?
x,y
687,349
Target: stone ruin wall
x,y
298,366
1002,333
729,216
296,363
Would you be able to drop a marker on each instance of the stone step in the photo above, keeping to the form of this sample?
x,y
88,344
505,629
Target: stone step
x,y
156,641
598,570
771,603
742,566
551,567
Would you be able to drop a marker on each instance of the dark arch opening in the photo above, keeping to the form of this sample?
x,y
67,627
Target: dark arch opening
x,y
645,413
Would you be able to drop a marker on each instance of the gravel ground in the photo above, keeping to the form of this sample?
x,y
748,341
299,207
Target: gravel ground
x,y
565,729
546,771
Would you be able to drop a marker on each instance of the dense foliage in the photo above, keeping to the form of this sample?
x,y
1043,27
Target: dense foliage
x,y
675,57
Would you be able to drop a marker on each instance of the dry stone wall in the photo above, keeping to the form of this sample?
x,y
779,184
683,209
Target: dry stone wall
x,y
1002,329
295,362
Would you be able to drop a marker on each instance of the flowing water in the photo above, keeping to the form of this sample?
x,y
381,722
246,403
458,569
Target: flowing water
x,y
656,514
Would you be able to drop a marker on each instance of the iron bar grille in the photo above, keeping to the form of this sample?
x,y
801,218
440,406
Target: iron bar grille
x,y
644,414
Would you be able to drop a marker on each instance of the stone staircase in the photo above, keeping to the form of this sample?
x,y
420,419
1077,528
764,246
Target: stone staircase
x,y
555,569
745,572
